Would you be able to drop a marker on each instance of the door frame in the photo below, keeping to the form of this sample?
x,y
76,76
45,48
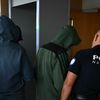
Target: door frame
x,y
37,20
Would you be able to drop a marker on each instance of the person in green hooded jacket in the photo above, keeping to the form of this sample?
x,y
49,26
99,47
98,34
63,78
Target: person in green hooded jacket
x,y
52,64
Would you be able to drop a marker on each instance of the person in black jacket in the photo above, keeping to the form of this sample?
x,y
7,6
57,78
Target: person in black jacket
x,y
83,78
15,67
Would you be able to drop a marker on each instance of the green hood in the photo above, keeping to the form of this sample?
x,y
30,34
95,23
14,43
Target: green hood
x,y
67,37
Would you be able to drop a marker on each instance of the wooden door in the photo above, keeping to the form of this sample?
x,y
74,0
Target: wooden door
x,y
86,24
4,7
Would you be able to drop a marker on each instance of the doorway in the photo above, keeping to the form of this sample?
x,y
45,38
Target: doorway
x,y
25,17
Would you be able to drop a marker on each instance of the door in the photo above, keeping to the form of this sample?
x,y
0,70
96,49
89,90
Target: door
x,y
86,24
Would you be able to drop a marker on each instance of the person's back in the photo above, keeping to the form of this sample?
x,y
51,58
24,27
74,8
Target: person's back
x,y
88,71
14,64
83,79
52,63
45,86
10,69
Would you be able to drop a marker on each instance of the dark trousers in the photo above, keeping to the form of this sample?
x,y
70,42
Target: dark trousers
x,y
82,97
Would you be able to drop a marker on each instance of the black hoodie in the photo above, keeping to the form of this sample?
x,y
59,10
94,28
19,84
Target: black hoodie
x,y
14,63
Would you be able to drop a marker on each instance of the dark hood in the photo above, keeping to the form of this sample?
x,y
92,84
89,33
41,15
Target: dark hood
x,y
67,37
9,30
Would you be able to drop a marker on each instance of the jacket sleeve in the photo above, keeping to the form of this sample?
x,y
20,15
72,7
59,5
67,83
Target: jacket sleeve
x,y
27,70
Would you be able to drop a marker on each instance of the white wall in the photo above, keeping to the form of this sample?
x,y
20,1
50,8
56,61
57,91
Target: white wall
x,y
90,4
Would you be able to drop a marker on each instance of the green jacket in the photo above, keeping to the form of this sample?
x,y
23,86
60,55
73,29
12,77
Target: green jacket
x,y
52,64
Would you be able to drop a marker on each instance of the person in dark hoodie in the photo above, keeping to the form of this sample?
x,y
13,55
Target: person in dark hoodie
x,y
15,67
52,64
